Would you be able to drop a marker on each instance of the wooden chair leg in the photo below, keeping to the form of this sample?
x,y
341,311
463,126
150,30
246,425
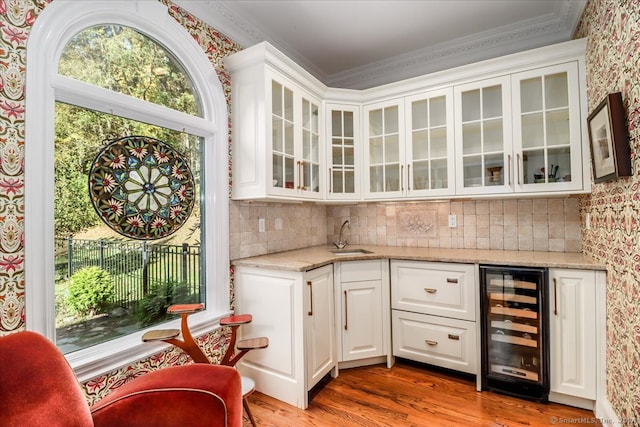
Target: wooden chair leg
x,y
245,404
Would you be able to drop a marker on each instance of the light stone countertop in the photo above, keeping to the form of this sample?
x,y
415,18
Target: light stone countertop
x,y
318,256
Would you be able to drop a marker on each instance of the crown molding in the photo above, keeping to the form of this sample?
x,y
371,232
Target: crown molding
x,y
221,17
554,28
478,47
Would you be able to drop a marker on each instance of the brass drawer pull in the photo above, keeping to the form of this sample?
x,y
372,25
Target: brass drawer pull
x,y
450,280
454,337
555,296
346,312
431,342
431,290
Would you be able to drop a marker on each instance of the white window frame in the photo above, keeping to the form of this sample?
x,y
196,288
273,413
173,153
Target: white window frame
x,y
53,29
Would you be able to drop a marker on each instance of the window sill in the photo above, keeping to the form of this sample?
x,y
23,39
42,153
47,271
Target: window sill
x,y
103,358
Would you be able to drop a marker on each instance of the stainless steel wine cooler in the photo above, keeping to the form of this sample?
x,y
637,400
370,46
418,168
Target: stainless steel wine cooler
x,y
515,331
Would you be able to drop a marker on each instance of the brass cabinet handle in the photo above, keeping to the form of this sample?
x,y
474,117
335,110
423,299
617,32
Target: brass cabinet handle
x,y
409,177
454,337
518,167
430,342
450,280
509,164
401,177
431,290
310,285
330,179
555,296
301,174
346,312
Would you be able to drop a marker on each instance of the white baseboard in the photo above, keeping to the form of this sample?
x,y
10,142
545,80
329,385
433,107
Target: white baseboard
x,y
363,362
606,414
577,402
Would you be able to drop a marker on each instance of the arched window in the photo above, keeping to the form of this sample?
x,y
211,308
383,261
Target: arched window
x,y
120,98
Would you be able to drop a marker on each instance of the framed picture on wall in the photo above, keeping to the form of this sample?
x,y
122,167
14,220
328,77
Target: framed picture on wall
x,y
610,154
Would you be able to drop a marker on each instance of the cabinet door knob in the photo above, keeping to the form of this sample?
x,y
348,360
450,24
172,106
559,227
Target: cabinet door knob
x,y
431,290
310,285
430,342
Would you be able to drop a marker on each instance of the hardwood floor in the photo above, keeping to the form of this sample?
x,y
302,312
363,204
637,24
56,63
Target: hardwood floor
x,y
411,395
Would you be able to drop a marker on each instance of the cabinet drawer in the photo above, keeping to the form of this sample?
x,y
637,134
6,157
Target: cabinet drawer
x,y
359,271
448,343
439,289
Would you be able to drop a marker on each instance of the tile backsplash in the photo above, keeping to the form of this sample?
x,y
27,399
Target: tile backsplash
x,y
286,226
540,224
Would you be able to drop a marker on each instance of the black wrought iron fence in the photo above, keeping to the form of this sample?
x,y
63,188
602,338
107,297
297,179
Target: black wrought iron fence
x,y
136,267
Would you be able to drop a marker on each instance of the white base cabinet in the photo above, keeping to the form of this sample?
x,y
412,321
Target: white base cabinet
x,y
422,311
295,311
440,341
362,315
434,308
573,337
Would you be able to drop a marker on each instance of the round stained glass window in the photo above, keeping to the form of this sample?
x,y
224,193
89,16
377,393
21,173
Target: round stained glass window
x,y
141,187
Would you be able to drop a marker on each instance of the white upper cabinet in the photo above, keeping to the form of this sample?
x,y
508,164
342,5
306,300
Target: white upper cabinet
x,y
521,133
343,154
277,128
546,129
409,146
509,126
429,153
483,137
384,150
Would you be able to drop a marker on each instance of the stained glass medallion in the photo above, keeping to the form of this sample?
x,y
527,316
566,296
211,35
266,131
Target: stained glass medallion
x,y
141,187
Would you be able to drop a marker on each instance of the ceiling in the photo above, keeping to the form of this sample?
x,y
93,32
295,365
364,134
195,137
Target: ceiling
x,y
359,44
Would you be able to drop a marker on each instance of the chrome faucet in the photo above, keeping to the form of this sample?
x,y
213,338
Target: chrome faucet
x,y
340,244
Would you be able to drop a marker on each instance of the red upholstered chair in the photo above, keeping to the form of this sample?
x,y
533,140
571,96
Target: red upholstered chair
x,y
39,388
233,354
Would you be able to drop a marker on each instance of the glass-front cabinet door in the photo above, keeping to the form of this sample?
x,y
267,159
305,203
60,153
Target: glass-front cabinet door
x,y
343,154
429,146
384,150
483,137
282,137
295,141
547,134
309,164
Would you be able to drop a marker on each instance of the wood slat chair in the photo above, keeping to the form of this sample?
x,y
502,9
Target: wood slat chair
x,y
235,351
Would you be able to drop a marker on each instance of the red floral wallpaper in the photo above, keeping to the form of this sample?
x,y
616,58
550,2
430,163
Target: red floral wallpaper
x,y
17,17
612,29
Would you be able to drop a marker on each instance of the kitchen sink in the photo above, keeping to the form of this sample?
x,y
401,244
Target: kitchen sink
x,y
350,251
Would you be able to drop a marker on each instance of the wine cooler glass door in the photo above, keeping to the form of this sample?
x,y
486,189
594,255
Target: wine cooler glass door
x,y
514,348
